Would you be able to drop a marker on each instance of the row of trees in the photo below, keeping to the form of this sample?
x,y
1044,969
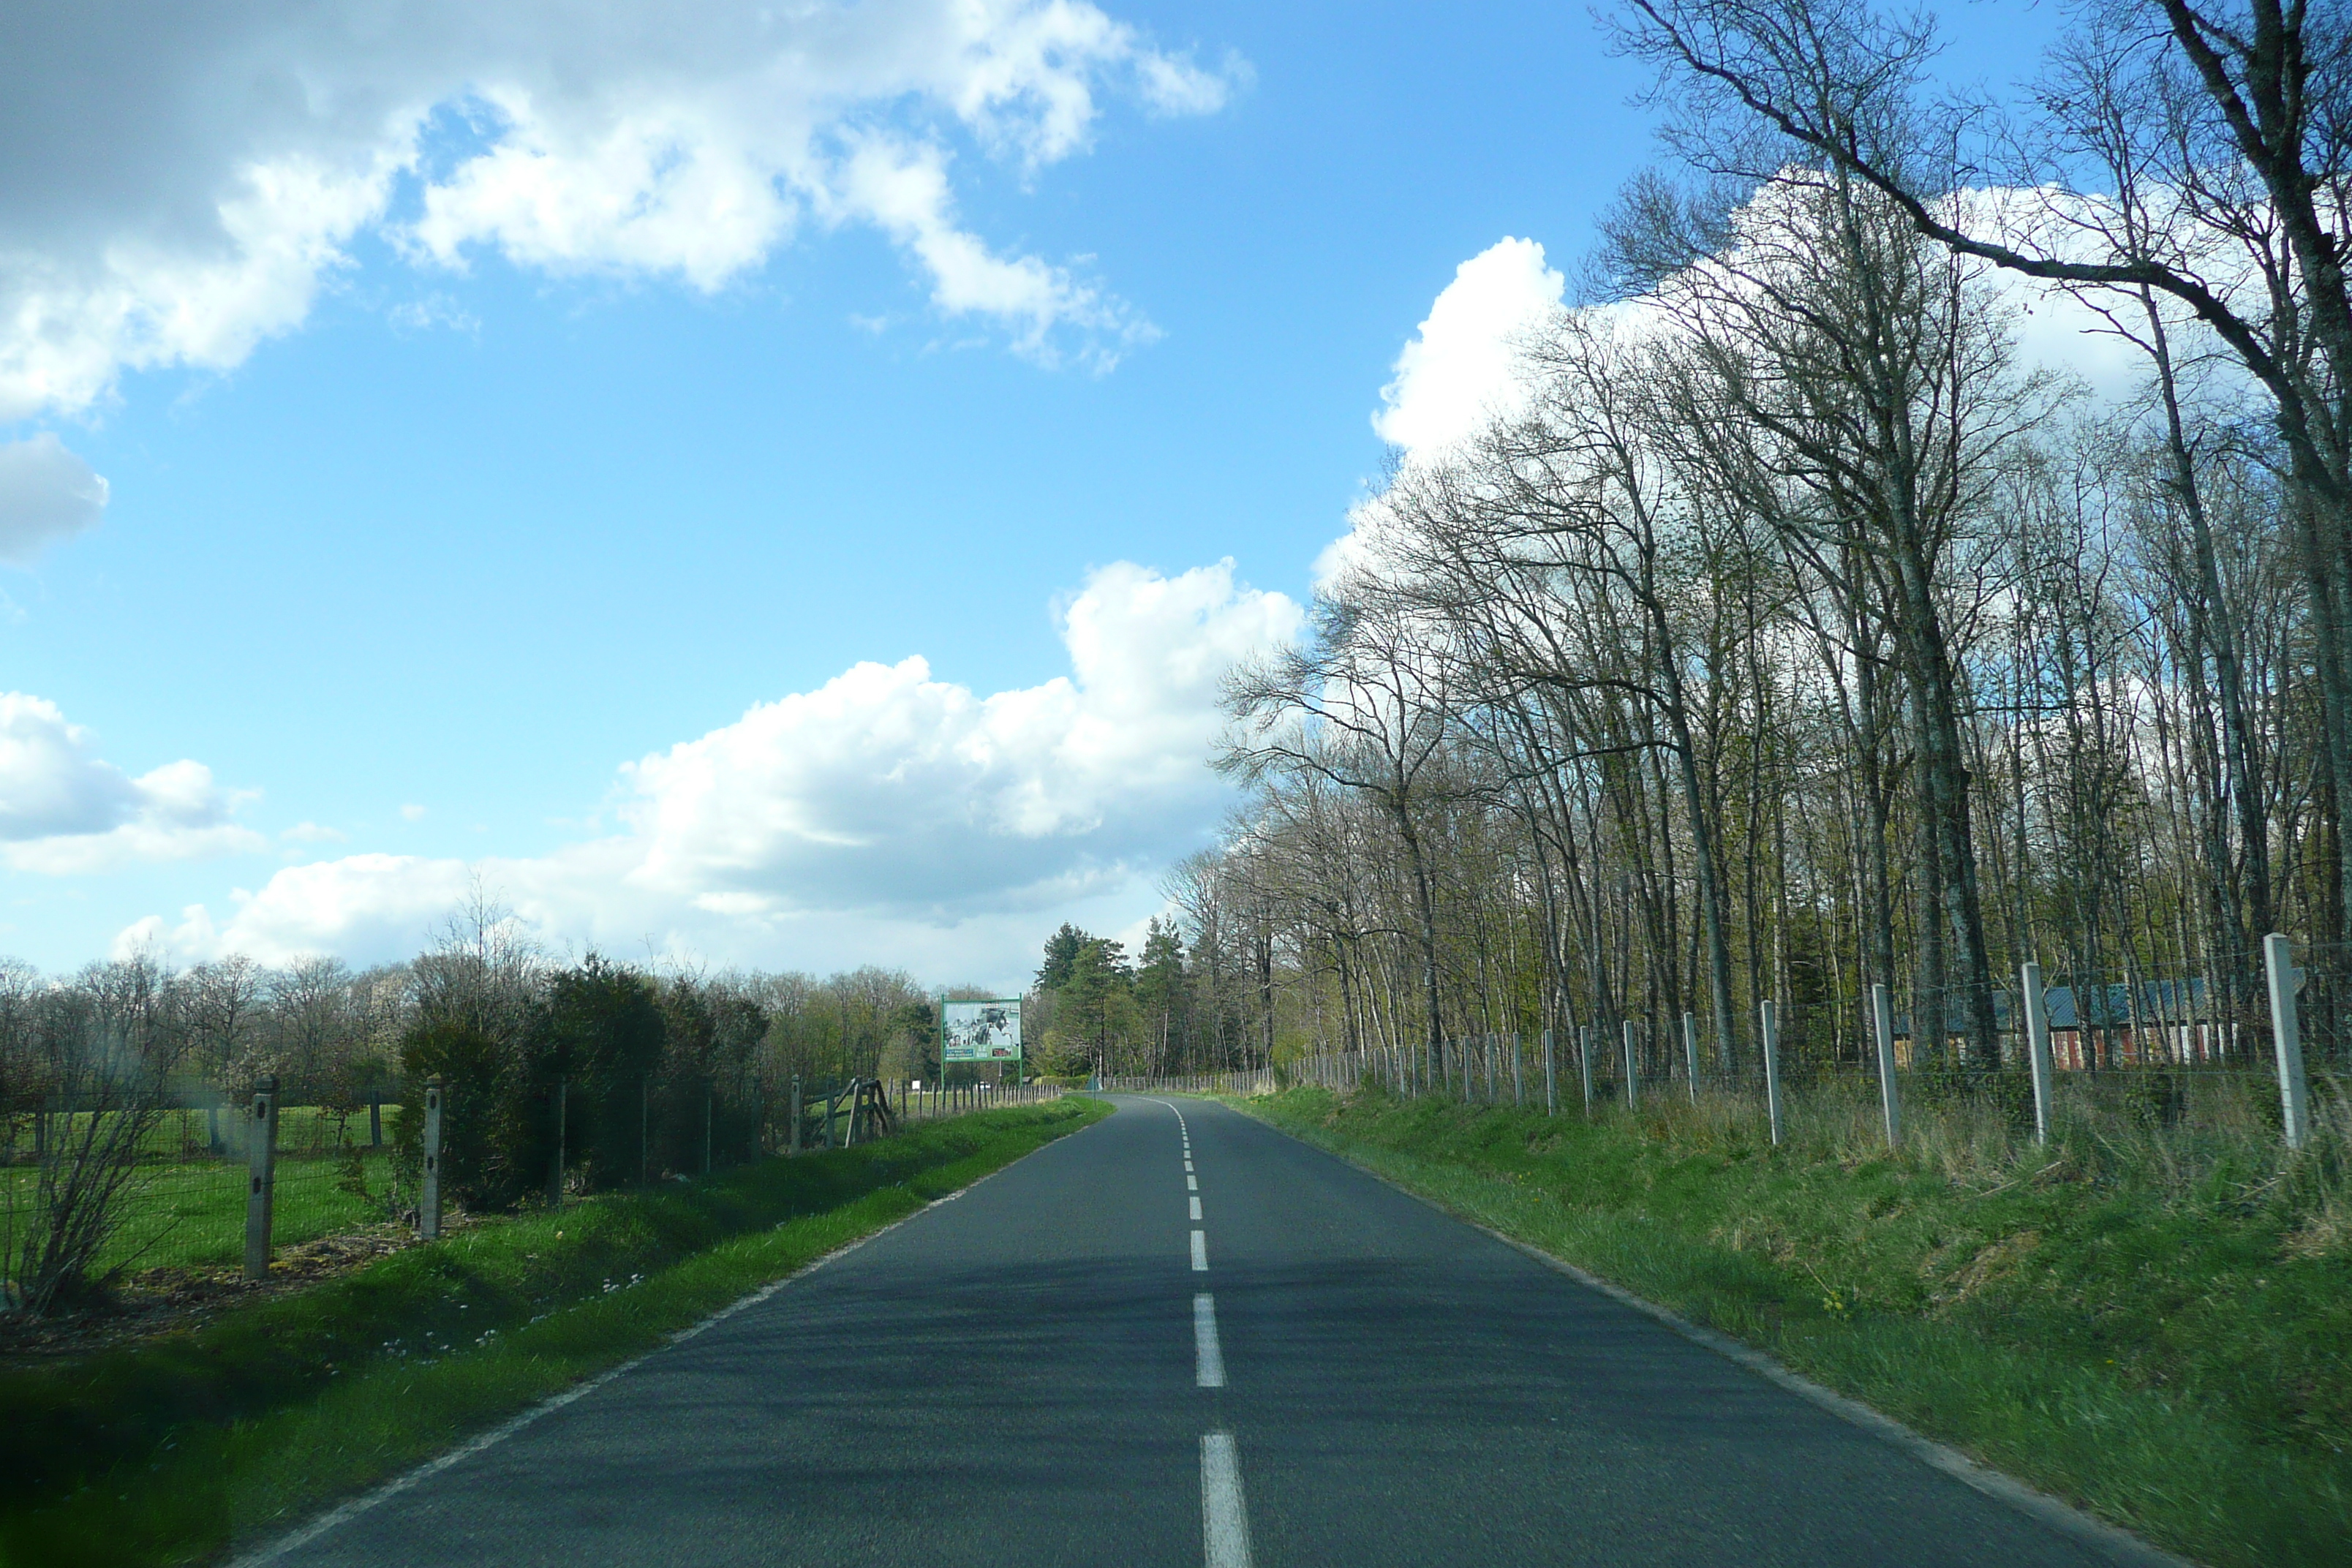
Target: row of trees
x,y
1189,1002
589,1074
1795,633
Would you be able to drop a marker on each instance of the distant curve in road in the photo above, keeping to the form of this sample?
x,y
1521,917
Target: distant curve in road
x,y
1182,1337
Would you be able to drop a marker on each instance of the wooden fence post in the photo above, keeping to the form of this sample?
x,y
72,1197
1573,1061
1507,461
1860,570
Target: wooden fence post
x,y
1584,1062
2287,1034
428,1186
1768,1018
261,1172
1632,1069
555,1170
1690,1054
796,1142
1882,1017
2037,1045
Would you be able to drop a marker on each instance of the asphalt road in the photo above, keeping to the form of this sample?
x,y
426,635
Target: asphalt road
x,y
1051,1369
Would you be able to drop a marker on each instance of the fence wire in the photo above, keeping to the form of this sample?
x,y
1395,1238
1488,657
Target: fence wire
x,y
2126,1048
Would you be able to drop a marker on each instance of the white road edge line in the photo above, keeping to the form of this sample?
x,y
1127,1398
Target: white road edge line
x,y
343,1513
1200,1252
2111,1542
1207,1356
1224,1515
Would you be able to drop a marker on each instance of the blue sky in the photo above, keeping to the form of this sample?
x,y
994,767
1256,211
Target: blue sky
x,y
523,493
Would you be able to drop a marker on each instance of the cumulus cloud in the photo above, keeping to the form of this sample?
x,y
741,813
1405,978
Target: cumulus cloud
x,y
177,203
65,809
886,802
45,494
1459,369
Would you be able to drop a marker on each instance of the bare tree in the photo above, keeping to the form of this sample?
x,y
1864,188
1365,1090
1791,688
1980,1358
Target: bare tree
x,y
1364,705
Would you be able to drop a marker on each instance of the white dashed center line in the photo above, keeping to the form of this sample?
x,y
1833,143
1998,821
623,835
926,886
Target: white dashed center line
x,y
1224,1519
1208,1358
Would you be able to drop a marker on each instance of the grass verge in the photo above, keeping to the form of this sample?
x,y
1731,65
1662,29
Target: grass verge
x,y
183,1450
2178,1361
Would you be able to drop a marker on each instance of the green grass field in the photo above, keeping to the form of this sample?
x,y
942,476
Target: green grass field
x,y
189,1213
186,1208
302,1130
187,1449
2158,1328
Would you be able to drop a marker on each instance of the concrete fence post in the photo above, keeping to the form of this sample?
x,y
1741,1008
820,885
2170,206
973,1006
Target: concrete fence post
x,y
2287,1034
1632,1069
1767,1017
428,1184
1882,1018
1690,1054
1551,1079
2037,1045
1584,1062
261,1173
1519,1074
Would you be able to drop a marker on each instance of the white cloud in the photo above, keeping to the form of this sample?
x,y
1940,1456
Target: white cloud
x,y
1460,367
1458,372
902,188
884,807
313,833
45,494
412,812
178,203
66,810
434,311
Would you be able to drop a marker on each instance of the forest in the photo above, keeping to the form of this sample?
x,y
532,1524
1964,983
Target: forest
x,y
1794,630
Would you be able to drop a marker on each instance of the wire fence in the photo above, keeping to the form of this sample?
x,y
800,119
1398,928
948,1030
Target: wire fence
x,y
2235,1047
181,1198
935,1100
1256,1080
215,1185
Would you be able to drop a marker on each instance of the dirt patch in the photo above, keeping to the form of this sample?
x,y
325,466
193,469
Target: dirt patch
x,y
1990,1266
155,1302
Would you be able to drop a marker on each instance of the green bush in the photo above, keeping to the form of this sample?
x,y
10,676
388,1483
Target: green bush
x,y
630,1079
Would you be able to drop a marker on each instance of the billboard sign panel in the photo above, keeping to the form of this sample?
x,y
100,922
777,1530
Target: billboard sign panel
x,y
981,1031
